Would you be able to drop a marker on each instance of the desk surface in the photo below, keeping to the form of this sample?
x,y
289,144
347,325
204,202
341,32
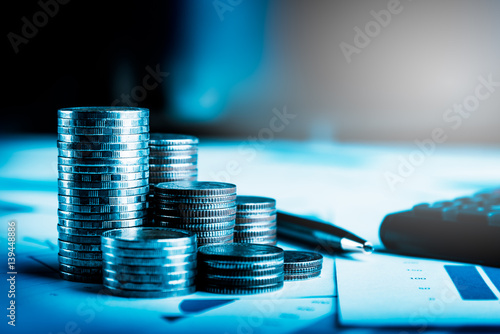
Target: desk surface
x,y
343,183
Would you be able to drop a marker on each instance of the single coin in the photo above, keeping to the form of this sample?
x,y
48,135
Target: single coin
x,y
255,203
78,262
147,238
103,184
240,265
103,208
239,281
168,175
103,112
101,161
215,233
179,284
270,242
201,227
104,192
150,294
103,169
257,240
103,139
103,154
302,276
162,211
305,270
153,181
194,200
101,216
256,219
77,239
215,240
152,278
172,167
80,255
192,206
79,247
169,269
181,159
103,225
88,271
151,253
79,231
193,220
102,122
196,189
242,290
80,278
255,226
161,154
87,177
256,214
150,261
301,259
241,253
89,146
203,269
255,234
163,139
171,148
94,131
101,200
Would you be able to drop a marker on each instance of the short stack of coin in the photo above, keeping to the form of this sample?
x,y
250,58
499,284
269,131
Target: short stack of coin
x,y
206,208
149,262
240,268
172,157
302,265
103,182
255,220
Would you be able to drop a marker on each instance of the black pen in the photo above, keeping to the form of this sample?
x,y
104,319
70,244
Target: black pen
x,y
322,234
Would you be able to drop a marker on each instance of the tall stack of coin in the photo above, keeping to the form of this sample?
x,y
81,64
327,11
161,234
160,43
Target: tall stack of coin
x,y
172,157
206,208
103,182
149,262
302,265
255,220
240,268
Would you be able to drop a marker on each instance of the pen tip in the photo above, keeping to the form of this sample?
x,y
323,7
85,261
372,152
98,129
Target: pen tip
x,y
368,248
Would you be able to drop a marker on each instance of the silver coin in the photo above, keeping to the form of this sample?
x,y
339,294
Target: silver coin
x,y
170,269
103,208
104,138
88,271
101,161
271,271
143,261
196,189
103,169
79,231
164,139
252,226
179,284
79,247
194,200
160,154
172,174
304,270
103,122
215,240
255,233
103,192
255,214
201,227
241,253
193,220
188,206
301,259
151,294
242,290
103,154
88,177
103,225
150,253
78,262
270,242
79,239
238,281
88,146
239,265
255,203
215,233
183,178
181,159
163,148
103,112
80,255
173,167
80,278
101,200
302,277
148,238
255,219
195,213
101,216
103,185
66,130
151,278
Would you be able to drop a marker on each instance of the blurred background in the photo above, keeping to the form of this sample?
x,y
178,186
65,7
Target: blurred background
x,y
218,68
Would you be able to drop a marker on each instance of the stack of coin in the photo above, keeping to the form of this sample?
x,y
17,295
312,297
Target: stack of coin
x,y
302,265
255,220
103,182
149,262
206,208
240,268
172,157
